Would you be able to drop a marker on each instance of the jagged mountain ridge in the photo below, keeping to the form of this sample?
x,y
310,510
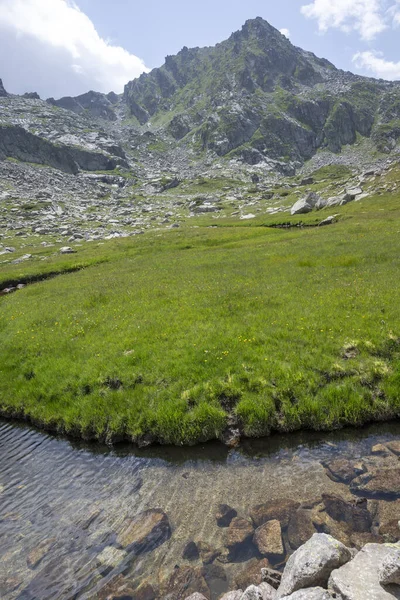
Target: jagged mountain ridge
x,y
254,98
257,95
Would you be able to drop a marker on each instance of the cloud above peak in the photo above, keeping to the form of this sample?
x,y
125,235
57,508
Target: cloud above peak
x,y
375,62
59,51
367,17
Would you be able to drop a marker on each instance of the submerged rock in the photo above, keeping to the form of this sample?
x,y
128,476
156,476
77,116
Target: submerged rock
x,y
354,514
183,582
343,471
238,533
300,528
252,573
382,483
37,554
145,532
394,447
268,539
281,510
225,514
190,551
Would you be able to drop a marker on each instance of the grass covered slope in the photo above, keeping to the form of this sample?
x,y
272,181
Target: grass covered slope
x,y
171,336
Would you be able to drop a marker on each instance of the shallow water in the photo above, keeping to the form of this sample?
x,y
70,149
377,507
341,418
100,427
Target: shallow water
x,y
77,496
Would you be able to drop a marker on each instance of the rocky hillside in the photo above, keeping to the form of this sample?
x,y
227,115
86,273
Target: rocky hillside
x,y
257,96
253,99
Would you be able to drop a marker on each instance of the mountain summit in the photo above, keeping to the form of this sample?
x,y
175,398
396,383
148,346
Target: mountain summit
x,y
255,98
257,95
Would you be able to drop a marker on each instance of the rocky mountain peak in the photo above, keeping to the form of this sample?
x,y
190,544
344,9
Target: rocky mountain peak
x,y
3,92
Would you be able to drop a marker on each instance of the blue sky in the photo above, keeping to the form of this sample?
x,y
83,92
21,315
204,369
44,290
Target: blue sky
x,y
61,47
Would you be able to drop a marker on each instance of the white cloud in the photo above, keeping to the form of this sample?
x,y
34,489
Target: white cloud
x,y
367,17
57,47
394,12
376,63
285,32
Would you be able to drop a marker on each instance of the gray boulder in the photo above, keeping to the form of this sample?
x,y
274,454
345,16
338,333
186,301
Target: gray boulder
x,y
312,564
390,569
334,201
306,204
301,207
321,203
235,595
353,192
360,578
328,221
260,592
316,593
196,596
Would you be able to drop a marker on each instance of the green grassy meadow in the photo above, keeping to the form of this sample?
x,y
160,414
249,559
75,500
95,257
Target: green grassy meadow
x,y
169,335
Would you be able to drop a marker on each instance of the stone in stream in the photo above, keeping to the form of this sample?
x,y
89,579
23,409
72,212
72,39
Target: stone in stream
x,y
312,564
300,528
358,540
39,552
117,587
145,532
207,553
215,577
144,592
325,524
225,514
394,447
111,557
380,449
389,572
252,573
268,539
190,551
390,531
354,514
360,578
183,582
380,483
238,533
316,593
343,471
281,510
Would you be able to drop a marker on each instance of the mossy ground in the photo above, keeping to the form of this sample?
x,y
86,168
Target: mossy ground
x,y
167,334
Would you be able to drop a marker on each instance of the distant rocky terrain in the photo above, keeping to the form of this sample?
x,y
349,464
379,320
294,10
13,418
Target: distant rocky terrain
x,y
212,130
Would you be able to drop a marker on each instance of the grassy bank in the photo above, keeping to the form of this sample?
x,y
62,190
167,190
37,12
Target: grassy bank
x,y
170,335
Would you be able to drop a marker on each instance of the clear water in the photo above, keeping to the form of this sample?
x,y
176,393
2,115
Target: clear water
x,y
78,496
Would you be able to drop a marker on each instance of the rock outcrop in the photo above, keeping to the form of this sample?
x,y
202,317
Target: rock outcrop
x,y
3,93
